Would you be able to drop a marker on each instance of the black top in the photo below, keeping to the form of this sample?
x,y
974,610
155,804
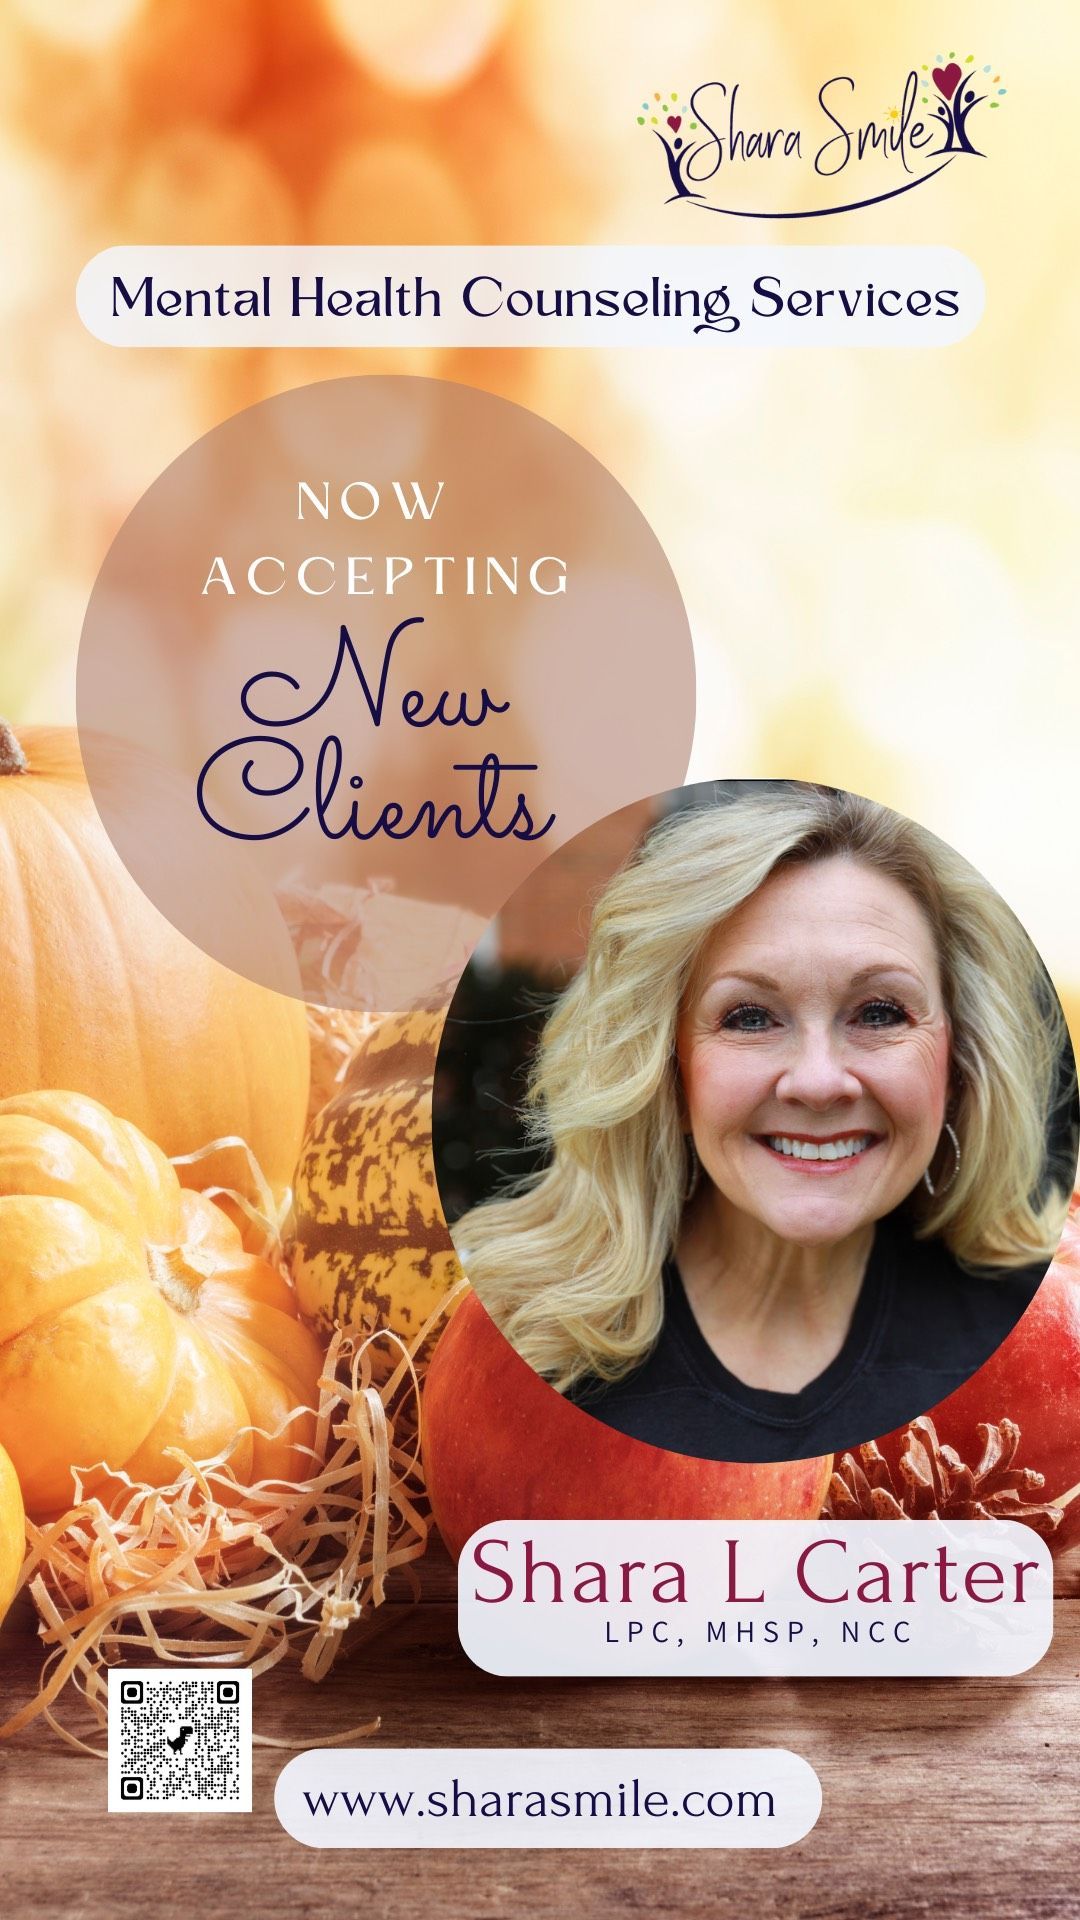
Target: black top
x,y
921,1326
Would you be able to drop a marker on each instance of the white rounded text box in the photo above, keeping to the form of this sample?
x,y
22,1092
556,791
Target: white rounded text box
x,y
548,1797
716,1597
576,296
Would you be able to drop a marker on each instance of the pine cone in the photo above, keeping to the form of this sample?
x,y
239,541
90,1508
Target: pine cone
x,y
935,1484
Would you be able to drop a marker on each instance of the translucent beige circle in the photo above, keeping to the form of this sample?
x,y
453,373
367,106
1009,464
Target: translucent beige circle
x,y
379,744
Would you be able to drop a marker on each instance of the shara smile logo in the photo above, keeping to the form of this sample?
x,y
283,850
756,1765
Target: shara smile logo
x,y
843,159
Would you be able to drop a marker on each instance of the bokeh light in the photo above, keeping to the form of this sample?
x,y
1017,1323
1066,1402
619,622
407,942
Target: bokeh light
x,y
390,193
877,548
88,25
198,186
420,46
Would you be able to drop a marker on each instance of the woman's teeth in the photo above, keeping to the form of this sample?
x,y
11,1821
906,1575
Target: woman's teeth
x,y
819,1149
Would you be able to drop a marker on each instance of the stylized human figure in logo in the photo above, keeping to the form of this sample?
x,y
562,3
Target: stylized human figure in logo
x,y
955,107
677,151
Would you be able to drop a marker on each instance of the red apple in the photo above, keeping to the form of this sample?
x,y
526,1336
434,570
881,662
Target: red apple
x,y
1033,1380
500,1444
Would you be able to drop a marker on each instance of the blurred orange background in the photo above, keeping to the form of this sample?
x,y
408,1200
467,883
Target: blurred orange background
x,y
877,547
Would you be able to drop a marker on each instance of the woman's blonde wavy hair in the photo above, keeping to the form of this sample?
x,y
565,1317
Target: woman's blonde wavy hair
x,y
570,1264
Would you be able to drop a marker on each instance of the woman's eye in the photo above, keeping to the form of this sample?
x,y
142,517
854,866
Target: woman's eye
x,y
747,1019
881,1013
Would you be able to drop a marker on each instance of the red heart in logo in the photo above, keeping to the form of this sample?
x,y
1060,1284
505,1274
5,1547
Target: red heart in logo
x,y
947,79
674,120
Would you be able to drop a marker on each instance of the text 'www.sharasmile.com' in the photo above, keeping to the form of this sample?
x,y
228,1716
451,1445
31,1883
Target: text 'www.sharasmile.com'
x,y
627,1800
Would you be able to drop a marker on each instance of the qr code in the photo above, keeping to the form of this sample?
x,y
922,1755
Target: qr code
x,y
179,1741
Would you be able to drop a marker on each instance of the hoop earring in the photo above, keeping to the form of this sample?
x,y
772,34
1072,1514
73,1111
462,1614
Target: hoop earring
x,y
693,1174
936,1192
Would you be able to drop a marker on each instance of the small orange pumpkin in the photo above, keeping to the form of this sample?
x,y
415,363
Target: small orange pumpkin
x,y
131,1319
12,1531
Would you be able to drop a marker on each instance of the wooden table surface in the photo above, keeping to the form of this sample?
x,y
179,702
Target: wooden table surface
x,y
948,1797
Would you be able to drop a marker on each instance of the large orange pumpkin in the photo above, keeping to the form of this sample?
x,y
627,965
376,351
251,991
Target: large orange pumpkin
x,y
99,992
1033,1381
500,1444
131,1319
12,1531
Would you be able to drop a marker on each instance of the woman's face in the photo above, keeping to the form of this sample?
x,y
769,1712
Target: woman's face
x,y
813,1048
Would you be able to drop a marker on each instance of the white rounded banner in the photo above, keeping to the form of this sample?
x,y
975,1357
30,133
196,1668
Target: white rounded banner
x,y
747,1598
548,1797
576,296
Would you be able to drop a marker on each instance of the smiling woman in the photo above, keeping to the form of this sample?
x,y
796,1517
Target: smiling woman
x,y
796,1107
